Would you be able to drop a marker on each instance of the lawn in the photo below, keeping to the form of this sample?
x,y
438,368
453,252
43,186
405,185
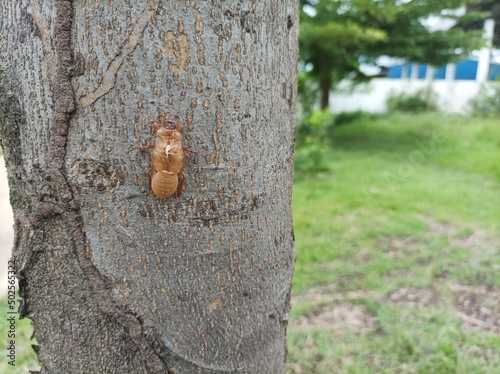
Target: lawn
x,y
24,357
398,266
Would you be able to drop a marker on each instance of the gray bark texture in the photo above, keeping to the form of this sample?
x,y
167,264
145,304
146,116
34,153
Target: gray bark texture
x,y
115,279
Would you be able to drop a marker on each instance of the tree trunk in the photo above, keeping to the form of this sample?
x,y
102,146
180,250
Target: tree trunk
x,y
115,279
325,85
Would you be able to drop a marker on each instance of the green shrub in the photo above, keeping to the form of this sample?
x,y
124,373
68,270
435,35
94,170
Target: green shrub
x,y
487,102
307,97
310,157
352,116
313,136
423,100
317,126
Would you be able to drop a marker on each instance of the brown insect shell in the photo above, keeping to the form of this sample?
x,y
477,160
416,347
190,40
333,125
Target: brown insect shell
x,y
173,161
164,184
162,122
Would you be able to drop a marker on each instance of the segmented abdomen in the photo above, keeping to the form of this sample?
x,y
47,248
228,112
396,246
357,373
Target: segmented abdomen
x,y
164,184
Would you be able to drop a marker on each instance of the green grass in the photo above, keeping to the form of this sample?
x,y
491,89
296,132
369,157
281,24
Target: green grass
x,y
407,201
25,358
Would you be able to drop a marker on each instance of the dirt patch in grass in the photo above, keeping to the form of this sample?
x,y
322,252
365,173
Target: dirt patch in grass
x,y
329,293
334,310
478,238
469,241
415,297
397,246
478,307
341,317
440,228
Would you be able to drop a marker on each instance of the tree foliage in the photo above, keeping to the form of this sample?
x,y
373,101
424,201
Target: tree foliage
x,y
337,36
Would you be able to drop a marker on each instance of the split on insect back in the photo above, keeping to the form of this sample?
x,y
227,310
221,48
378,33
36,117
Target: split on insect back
x,y
166,173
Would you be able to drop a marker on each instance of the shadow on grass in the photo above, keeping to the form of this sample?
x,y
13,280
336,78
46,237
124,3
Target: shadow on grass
x,y
392,134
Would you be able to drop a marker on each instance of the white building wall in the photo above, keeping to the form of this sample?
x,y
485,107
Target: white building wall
x,y
452,96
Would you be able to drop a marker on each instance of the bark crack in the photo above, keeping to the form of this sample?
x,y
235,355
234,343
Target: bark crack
x,y
59,66
109,77
60,69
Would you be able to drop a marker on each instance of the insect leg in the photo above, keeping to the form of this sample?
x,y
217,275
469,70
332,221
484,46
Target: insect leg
x,y
151,173
144,147
181,185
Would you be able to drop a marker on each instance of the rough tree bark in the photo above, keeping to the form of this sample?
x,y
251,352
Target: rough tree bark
x,y
115,279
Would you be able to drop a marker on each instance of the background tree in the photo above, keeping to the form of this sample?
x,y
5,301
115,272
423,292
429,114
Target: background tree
x,y
337,36
114,279
492,9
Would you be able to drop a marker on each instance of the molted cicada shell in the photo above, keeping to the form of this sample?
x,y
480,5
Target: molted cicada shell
x,y
166,173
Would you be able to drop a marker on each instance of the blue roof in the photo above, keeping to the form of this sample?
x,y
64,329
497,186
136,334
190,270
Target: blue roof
x,y
466,69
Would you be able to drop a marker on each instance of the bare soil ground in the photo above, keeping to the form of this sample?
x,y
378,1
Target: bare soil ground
x,y
477,307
